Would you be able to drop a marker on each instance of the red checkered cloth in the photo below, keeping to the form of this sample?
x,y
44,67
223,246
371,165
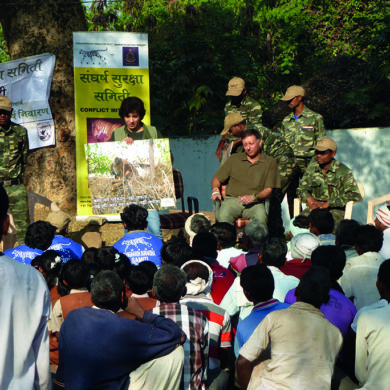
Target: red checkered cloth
x,y
240,222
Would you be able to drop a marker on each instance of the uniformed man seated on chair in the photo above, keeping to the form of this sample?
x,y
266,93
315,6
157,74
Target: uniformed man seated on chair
x,y
327,183
251,177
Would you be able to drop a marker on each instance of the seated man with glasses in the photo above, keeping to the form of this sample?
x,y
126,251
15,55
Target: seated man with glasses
x,y
327,183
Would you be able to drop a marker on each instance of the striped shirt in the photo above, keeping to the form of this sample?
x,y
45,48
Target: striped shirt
x,y
219,325
196,348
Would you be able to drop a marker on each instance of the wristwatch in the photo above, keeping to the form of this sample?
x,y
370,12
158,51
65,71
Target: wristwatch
x,y
255,196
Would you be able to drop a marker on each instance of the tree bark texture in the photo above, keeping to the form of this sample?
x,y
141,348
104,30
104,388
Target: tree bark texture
x,y
37,27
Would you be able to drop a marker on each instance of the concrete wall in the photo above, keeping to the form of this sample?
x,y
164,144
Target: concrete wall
x,y
365,151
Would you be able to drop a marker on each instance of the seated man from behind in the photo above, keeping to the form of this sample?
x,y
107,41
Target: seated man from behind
x,y
251,177
360,273
39,237
346,236
98,349
258,285
199,280
327,183
226,234
304,344
322,225
169,286
137,244
67,248
372,338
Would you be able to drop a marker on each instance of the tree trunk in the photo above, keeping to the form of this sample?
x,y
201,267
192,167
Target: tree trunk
x,y
46,26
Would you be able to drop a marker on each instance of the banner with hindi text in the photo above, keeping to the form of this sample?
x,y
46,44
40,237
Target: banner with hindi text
x,y
27,83
108,67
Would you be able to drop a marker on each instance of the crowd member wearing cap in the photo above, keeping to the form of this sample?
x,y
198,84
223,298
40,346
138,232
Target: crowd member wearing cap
x,y
327,183
67,248
382,222
301,129
251,179
13,149
240,103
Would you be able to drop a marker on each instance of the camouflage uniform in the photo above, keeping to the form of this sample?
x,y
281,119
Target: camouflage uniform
x,y
301,135
337,186
13,159
249,108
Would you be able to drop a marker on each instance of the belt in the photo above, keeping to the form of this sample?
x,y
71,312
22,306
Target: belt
x,y
12,182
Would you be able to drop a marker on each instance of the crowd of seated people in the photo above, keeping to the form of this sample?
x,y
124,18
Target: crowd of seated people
x,y
214,312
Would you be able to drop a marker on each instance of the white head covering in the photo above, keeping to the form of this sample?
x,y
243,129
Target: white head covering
x,y
302,245
199,285
383,215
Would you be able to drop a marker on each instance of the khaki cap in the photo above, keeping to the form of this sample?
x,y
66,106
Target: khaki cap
x,y
232,119
325,143
235,87
293,91
59,219
5,103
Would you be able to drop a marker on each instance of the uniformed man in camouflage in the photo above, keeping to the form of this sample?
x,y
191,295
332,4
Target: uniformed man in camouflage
x,y
301,129
273,146
240,103
327,183
13,159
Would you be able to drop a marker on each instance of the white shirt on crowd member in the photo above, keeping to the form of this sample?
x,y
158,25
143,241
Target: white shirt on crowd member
x,y
24,339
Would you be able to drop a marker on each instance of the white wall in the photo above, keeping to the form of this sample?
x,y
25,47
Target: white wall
x,y
365,151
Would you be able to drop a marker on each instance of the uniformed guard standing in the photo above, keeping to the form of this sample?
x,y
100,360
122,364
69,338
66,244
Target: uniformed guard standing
x,y
301,129
13,160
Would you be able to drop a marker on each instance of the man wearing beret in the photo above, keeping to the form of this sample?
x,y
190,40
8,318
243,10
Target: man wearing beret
x,y
327,183
13,160
301,129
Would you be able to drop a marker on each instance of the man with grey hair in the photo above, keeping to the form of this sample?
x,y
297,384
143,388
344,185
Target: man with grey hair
x,y
169,285
255,234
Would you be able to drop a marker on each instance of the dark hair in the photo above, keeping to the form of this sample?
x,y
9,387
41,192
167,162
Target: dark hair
x,y
331,257
200,223
88,255
135,217
106,290
314,286
322,220
258,281
248,132
76,275
274,252
384,274
139,280
369,238
301,221
122,266
196,270
131,104
226,234
169,283
346,232
40,235
94,269
205,244
50,262
4,205
150,268
176,253
105,257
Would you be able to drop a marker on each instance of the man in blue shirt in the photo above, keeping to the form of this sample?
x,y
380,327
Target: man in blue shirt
x,y
258,285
